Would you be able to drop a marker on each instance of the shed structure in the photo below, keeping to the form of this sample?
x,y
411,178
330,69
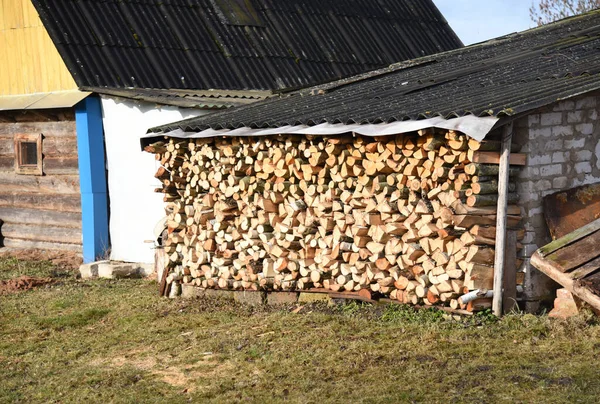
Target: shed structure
x,y
543,82
40,198
155,61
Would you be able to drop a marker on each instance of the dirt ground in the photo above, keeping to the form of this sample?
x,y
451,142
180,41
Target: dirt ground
x,y
60,259
22,283
61,262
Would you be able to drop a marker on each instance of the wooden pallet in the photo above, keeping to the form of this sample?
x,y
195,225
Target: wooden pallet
x,y
574,261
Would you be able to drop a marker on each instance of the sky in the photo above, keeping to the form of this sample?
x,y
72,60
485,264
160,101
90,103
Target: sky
x,y
478,20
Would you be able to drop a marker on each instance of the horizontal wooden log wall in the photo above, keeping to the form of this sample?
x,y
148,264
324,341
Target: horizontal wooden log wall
x,y
408,217
41,211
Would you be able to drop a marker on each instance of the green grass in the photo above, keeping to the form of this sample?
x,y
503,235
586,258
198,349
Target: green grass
x,y
116,341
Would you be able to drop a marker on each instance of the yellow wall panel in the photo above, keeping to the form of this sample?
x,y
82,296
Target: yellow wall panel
x,y
13,14
2,26
34,65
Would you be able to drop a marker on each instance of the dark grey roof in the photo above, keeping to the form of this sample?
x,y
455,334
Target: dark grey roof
x,y
203,99
502,77
238,44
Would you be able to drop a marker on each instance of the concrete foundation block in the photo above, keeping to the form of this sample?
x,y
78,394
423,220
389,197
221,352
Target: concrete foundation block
x,y
115,270
89,271
191,291
280,298
145,270
252,298
313,297
219,294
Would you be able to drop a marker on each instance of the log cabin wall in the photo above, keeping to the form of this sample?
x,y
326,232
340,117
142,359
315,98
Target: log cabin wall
x,y
40,211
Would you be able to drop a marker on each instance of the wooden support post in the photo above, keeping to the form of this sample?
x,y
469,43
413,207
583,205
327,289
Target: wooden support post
x,y
509,299
501,219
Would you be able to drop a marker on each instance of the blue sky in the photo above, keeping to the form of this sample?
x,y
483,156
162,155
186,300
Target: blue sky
x,y
478,20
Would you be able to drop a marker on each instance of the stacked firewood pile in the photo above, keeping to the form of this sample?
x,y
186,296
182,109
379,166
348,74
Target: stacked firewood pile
x,y
410,217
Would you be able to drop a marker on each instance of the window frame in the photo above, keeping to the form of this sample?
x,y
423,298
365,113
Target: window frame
x,y
28,169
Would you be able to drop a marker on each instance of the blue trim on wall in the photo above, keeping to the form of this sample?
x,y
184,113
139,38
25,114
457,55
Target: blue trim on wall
x,y
92,179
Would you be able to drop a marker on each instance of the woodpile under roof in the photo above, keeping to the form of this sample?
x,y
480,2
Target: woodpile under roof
x,y
410,217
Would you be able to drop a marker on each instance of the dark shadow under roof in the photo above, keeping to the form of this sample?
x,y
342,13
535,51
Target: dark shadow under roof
x,y
501,77
238,44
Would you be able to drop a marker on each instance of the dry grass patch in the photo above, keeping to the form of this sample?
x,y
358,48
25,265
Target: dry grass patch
x,y
116,341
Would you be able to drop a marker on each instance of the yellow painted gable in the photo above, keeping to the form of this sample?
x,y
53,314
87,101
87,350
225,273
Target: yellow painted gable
x,y
29,61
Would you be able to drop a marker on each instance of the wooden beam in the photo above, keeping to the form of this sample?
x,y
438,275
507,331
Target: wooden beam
x,y
565,280
501,218
516,159
509,299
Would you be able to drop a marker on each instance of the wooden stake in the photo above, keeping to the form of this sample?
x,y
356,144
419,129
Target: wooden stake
x,y
501,219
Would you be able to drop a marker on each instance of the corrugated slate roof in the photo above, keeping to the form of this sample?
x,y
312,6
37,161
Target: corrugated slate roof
x,y
238,44
501,77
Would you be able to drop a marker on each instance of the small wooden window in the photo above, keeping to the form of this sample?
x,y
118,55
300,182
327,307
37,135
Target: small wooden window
x,y
28,154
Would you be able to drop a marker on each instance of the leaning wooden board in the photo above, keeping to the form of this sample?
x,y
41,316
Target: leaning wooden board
x,y
574,261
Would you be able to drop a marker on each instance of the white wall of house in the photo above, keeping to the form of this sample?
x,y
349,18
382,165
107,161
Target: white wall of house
x,y
135,208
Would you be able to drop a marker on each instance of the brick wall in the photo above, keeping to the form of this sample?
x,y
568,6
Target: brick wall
x,y
562,142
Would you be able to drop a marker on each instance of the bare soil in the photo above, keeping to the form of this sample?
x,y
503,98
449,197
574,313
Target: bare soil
x,y
22,283
60,259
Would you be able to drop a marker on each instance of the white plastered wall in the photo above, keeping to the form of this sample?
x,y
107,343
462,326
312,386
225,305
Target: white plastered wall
x,y
135,208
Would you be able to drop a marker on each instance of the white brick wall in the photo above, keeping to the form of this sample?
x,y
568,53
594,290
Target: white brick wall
x,y
562,142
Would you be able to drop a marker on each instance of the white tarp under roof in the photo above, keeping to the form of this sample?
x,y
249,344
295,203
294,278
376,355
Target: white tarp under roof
x,y
472,126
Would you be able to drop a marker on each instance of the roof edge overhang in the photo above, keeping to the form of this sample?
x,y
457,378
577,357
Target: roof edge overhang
x,y
472,126
49,100
198,99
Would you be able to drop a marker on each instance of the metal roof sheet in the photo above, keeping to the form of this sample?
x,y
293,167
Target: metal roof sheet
x,y
192,44
55,99
501,77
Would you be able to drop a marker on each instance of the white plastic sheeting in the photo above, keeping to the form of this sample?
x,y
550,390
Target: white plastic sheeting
x,y
470,125
134,206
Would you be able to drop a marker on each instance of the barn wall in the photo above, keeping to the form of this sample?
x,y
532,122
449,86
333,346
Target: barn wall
x,y
41,211
563,146
135,208
33,64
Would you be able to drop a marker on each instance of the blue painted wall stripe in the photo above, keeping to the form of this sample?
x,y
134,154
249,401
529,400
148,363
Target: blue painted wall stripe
x,y
92,178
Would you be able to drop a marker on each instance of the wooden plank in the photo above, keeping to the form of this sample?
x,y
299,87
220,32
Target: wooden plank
x,y
517,159
582,292
43,245
41,233
63,184
509,299
463,209
61,165
35,125
38,216
499,262
350,295
570,238
7,163
577,253
586,269
7,145
63,203
569,210
592,283
57,146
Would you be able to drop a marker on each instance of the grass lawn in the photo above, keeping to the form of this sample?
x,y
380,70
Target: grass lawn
x,y
116,341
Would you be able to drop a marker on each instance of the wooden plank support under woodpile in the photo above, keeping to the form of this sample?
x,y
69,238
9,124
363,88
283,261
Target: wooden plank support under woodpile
x,y
408,217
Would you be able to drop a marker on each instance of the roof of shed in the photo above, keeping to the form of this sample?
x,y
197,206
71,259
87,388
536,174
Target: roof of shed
x,y
501,77
237,44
